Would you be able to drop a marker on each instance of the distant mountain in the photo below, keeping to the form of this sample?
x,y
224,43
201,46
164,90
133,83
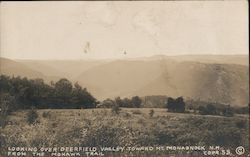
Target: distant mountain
x,y
224,83
120,77
69,69
208,78
211,59
221,83
10,67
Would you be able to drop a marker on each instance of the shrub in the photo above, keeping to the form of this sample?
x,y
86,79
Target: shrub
x,y
151,113
136,112
32,116
161,120
46,114
126,115
241,124
116,109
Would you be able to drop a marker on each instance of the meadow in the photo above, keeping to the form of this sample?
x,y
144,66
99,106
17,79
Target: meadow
x,y
131,127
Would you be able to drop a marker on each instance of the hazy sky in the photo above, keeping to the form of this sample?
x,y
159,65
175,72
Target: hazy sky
x,y
84,29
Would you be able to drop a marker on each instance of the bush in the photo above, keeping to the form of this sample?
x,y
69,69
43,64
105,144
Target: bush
x,y
46,115
241,124
32,116
136,112
126,115
116,109
151,113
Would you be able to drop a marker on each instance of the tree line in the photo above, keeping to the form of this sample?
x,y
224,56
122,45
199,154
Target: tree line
x,y
134,102
23,93
178,105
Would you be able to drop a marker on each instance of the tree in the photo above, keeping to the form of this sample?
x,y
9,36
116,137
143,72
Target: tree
x,y
81,98
209,109
5,84
119,101
170,104
180,104
228,111
136,102
108,103
34,92
176,105
126,102
63,88
7,105
202,110
63,91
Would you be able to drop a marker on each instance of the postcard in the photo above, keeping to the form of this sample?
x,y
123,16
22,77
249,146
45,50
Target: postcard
x,y
124,78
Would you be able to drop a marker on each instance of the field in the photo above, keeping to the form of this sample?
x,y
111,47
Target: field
x,y
132,127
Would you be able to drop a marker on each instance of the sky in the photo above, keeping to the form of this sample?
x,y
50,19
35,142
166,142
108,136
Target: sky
x,y
122,29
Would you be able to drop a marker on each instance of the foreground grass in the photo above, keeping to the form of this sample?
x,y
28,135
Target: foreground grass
x,y
131,127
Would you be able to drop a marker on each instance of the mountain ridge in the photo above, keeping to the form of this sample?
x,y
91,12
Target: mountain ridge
x,y
218,81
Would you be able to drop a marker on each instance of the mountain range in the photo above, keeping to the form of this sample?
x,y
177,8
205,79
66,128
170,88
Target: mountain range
x,y
223,79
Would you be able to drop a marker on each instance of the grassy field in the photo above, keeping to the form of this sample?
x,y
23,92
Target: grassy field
x,y
130,128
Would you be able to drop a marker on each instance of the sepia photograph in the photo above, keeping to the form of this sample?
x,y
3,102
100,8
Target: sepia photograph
x,y
124,78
